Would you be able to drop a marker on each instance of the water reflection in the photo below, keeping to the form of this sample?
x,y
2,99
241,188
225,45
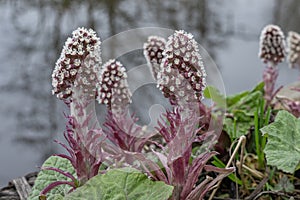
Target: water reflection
x,y
287,15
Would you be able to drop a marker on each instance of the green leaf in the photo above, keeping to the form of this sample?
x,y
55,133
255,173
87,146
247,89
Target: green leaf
x,y
242,112
259,87
284,185
236,128
231,100
119,184
45,177
214,94
248,104
283,147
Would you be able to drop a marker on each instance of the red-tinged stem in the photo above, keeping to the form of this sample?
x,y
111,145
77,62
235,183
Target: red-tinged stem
x,y
64,156
55,184
270,75
64,146
67,174
276,91
82,108
196,192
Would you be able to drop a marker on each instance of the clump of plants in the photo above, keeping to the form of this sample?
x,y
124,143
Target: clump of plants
x,y
195,149
269,162
120,159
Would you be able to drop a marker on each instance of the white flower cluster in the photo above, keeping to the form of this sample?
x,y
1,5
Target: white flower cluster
x,y
272,44
113,88
78,64
182,77
293,43
153,50
176,64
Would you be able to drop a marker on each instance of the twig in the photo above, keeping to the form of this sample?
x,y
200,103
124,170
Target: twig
x,y
241,161
242,140
278,193
259,187
256,173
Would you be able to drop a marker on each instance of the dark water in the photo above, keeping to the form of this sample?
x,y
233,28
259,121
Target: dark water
x,y
33,32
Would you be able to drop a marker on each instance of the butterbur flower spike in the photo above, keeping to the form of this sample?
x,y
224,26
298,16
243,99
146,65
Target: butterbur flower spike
x,y
272,45
74,80
293,43
78,65
113,88
182,75
272,52
153,52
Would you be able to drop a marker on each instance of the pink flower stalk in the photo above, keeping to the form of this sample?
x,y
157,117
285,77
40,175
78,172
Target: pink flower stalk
x,y
293,44
176,167
120,128
272,52
75,77
182,74
182,79
123,131
113,87
85,149
78,65
74,80
180,133
270,75
153,52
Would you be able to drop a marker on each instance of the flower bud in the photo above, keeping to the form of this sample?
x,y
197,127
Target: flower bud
x,y
78,65
182,74
113,87
153,50
293,43
272,45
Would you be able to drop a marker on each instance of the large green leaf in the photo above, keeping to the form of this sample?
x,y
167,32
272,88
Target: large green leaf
x,y
45,177
121,184
283,147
